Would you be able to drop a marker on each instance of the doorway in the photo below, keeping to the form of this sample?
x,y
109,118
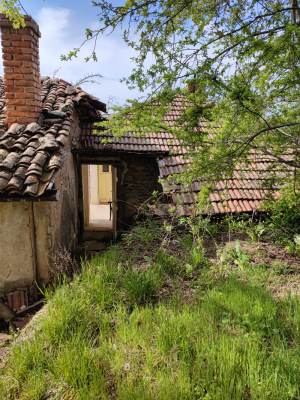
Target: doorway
x,y
99,197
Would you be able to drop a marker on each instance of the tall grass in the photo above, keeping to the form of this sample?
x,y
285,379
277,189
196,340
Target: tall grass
x,y
104,337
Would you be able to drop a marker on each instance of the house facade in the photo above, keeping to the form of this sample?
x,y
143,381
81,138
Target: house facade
x,y
53,165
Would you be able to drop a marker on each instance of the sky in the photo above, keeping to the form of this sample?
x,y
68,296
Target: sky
x,y
62,24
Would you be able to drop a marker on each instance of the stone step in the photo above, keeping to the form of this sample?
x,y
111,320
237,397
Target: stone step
x,y
94,245
97,235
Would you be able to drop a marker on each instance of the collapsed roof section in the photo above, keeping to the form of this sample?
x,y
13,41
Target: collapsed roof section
x,y
31,155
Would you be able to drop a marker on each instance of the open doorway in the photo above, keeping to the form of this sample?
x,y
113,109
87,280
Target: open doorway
x,y
99,196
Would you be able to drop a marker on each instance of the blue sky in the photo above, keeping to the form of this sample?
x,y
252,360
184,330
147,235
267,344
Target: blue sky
x,y
62,24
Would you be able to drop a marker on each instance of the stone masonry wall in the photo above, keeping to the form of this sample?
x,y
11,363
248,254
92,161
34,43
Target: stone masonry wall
x,y
138,182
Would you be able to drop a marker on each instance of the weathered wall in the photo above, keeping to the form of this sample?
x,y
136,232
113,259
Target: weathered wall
x,y
17,246
60,224
137,179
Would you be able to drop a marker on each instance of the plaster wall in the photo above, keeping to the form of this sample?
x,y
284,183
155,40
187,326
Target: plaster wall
x,y
17,246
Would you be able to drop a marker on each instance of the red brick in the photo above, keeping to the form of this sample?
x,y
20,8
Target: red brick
x,y
7,57
12,63
25,96
24,70
25,120
16,114
27,37
13,76
5,29
10,108
27,108
30,64
30,102
19,43
27,51
29,77
29,89
17,102
6,43
24,83
14,89
8,70
11,50
26,31
9,36
10,95
9,82
32,114
24,57
10,120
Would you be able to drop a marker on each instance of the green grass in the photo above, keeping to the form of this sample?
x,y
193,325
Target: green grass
x,y
108,335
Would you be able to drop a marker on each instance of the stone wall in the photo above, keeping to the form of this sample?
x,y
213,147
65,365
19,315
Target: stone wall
x,y
138,182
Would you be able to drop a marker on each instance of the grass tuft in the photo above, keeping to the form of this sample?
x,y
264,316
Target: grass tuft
x,y
213,332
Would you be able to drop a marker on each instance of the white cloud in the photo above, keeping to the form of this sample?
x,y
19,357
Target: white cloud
x,y
61,32
60,35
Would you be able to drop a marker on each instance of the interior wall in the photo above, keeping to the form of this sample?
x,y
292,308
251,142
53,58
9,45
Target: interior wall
x,y
93,178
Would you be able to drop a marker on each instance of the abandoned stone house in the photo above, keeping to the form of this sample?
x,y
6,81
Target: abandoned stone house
x,y
59,183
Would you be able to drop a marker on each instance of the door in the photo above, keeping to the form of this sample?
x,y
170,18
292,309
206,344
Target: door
x,y
105,183
114,200
86,194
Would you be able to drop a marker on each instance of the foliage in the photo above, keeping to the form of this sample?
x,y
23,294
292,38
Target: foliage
x,y
12,9
285,212
241,62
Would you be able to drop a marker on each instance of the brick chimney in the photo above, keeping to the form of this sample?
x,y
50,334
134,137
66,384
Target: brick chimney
x,y
20,52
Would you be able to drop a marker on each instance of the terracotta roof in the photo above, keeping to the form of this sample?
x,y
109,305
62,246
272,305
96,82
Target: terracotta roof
x,y
31,155
243,193
159,142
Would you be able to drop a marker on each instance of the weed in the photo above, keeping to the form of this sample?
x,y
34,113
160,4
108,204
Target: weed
x,y
141,286
197,256
167,263
65,264
237,255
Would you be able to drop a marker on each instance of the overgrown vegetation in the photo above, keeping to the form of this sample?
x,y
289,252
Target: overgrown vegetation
x,y
176,310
